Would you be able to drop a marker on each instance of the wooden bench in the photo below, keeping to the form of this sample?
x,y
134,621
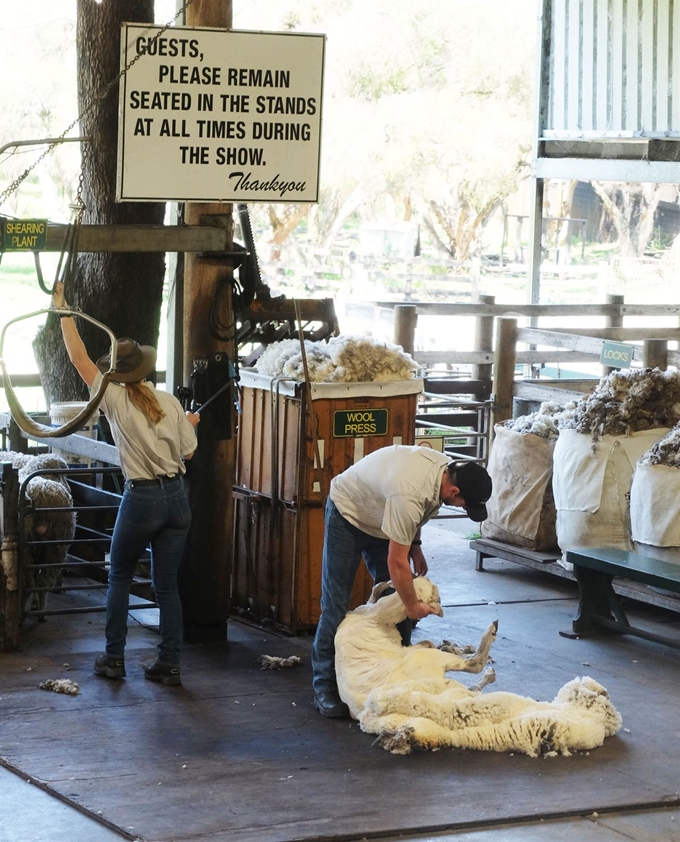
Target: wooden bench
x,y
488,548
599,604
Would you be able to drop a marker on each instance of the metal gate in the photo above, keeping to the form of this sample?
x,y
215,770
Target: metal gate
x,y
87,554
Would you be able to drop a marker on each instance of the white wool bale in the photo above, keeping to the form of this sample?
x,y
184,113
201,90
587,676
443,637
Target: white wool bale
x,y
521,510
592,487
655,525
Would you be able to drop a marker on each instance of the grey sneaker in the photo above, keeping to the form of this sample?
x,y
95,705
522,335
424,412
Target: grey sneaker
x,y
111,666
167,674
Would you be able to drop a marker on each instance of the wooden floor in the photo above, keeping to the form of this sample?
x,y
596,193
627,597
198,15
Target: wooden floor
x,y
239,753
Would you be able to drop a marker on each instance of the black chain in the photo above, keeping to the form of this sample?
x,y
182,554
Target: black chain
x,y
17,181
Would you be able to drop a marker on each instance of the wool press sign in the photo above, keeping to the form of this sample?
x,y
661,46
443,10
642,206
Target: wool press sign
x,y
359,423
210,115
616,354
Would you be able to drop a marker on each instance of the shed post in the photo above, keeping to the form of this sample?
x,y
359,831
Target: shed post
x,y
405,320
655,353
504,369
542,105
10,608
484,340
206,570
613,320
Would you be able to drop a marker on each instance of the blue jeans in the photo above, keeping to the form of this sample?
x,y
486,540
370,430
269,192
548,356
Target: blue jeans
x,y
159,516
343,547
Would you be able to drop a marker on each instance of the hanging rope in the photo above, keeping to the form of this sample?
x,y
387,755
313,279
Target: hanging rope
x,y
23,420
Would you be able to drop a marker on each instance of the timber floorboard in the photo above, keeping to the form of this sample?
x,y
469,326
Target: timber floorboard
x,y
239,753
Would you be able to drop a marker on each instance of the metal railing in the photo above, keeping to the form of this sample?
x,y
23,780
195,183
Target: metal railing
x,y
89,539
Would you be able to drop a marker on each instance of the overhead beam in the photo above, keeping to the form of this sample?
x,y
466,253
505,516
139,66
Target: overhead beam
x,y
610,148
595,169
147,238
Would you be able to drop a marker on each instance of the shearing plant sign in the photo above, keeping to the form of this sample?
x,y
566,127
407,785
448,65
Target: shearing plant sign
x,y
210,115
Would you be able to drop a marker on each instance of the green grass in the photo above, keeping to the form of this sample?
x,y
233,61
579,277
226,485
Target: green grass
x,y
24,275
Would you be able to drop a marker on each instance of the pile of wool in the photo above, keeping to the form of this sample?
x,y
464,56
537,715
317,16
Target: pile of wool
x,y
284,359
361,359
665,452
61,685
543,423
274,662
626,402
345,358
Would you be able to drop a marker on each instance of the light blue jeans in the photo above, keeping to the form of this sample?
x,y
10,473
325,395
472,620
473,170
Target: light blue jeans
x,y
159,516
343,547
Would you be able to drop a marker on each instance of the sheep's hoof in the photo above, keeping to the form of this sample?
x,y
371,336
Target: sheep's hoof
x,y
396,742
456,648
488,678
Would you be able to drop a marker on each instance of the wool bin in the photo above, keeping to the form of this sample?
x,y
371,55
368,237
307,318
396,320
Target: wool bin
x,y
521,509
62,413
592,482
655,524
280,491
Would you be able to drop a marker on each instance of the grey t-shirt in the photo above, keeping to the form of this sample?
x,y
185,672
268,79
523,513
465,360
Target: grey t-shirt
x,y
392,491
147,450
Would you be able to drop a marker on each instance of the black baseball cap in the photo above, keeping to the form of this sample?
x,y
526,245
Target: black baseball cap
x,y
475,488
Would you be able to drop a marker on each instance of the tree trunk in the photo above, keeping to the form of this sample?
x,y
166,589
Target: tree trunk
x,y
631,207
122,290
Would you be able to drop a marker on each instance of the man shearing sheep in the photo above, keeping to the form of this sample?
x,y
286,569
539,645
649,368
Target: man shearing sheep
x,y
376,509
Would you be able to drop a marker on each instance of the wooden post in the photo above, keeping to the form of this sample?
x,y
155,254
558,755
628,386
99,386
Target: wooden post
x,y
613,321
206,570
484,340
504,369
10,592
405,320
617,319
655,353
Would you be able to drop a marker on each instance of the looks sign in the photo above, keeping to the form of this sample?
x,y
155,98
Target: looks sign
x,y
215,115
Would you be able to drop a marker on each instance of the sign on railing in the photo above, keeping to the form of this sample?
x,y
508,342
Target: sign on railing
x,y
616,354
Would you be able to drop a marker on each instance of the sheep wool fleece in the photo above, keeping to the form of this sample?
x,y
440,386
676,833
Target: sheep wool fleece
x,y
385,496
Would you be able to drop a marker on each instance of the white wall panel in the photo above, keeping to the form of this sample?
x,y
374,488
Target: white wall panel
x,y
614,69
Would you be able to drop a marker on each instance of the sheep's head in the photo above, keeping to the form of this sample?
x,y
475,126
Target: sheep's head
x,y
428,592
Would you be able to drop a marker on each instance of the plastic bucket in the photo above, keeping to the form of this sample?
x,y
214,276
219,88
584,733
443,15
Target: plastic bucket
x,y
62,413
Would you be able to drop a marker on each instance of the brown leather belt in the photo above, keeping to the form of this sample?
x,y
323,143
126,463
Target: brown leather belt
x,y
159,481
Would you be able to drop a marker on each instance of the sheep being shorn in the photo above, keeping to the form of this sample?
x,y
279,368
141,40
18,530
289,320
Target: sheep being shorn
x,y
45,491
402,695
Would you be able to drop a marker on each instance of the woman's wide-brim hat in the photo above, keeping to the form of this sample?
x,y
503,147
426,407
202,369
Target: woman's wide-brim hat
x,y
133,361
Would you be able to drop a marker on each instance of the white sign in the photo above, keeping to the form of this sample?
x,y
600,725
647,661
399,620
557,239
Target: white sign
x,y
210,115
